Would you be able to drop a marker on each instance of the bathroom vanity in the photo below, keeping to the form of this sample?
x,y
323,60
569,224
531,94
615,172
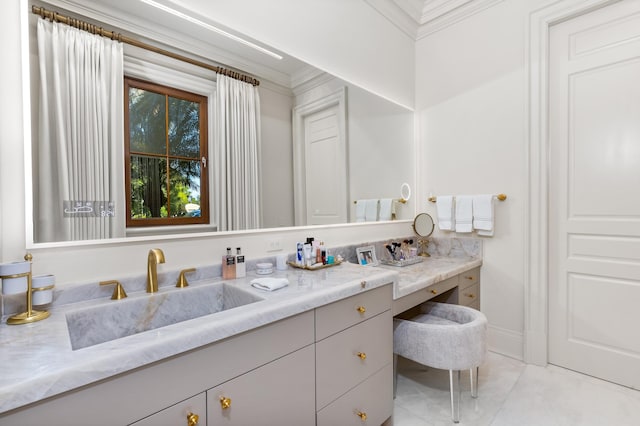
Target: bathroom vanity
x,y
316,352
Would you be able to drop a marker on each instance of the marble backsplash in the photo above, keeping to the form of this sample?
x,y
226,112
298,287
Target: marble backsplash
x,y
78,292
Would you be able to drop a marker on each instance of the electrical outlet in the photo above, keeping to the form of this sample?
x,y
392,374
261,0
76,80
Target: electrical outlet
x,y
275,245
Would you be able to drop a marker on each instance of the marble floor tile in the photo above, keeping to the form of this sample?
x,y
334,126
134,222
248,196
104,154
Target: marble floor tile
x,y
512,393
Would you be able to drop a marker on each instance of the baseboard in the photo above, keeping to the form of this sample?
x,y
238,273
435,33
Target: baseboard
x,y
506,342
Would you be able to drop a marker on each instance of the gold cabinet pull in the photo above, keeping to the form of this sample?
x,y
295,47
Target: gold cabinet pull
x,y
470,295
225,402
192,419
362,415
361,309
362,355
468,277
434,292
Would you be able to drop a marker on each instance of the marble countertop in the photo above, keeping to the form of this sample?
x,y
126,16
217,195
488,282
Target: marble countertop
x,y
433,269
37,360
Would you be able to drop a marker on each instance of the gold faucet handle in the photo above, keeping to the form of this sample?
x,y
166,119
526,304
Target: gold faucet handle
x,y
118,291
182,279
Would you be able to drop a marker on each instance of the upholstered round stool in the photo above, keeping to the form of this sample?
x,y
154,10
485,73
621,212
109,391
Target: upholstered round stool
x,y
445,336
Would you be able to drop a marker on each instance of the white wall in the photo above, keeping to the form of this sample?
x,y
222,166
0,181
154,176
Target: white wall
x,y
347,38
471,100
116,258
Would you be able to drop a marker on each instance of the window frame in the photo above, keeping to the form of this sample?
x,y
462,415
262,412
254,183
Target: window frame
x,y
204,154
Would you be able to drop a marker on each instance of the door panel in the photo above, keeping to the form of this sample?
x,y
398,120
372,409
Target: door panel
x,y
594,201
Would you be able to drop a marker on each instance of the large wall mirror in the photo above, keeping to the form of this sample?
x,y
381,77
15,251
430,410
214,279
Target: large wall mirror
x,y
302,182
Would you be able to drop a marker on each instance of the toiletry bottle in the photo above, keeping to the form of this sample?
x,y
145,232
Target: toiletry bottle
x,y
241,268
308,260
323,253
299,254
317,252
228,265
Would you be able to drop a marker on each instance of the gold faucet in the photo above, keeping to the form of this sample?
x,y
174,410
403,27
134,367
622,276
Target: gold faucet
x,y
155,256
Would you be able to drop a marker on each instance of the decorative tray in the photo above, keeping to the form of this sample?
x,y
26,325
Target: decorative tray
x,y
314,267
403,262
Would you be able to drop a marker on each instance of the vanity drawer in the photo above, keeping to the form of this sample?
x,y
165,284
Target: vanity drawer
x,y
469,278
351,356
469,295
179,413
337,316
410,300
373,398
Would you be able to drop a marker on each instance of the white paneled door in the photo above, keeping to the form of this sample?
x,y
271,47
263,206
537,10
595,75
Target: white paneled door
x,y
594,193
325,161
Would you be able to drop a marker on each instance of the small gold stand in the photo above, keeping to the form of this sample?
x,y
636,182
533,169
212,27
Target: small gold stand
x,y
30,315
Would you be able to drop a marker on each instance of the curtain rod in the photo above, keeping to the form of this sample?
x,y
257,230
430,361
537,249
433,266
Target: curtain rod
x,y
94,29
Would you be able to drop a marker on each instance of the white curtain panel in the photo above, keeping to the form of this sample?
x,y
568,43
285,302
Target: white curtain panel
x,y
80,136
237,175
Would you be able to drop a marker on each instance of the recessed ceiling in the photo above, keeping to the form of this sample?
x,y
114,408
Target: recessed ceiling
x,y
419,18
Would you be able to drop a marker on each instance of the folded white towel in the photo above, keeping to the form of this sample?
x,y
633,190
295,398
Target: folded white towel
x,y
269,284
464,213
444,205
361,206
386,208
483,216
371,211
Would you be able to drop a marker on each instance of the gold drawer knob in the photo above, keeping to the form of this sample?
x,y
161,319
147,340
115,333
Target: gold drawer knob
x,y
192,419
361,309
362,355
225,402
470,295
434,292
362,415
468,277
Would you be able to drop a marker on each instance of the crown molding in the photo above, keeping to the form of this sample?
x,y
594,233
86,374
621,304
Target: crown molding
x,y
397,15
420,18
458,13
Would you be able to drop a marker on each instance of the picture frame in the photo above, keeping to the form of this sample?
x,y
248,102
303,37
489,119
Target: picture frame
x,y
367,256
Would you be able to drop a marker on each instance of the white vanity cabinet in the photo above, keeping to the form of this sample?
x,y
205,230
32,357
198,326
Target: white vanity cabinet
x,y
155,391
279,393
354,354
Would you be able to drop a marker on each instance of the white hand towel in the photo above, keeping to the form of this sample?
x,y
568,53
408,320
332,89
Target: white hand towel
x,y
464,213
483,219
371,211
269,284
386,206
361,206
444,205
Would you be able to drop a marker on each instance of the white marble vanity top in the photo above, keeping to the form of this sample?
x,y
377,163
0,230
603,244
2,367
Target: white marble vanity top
x,y
433,269
37,361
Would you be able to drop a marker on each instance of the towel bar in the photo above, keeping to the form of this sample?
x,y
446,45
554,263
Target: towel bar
x,y
500,197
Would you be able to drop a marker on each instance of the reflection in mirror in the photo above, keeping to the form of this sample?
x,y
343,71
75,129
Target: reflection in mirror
x,y
363,146
423,226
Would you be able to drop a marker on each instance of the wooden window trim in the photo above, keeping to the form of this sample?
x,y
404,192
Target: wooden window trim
x,y
204,186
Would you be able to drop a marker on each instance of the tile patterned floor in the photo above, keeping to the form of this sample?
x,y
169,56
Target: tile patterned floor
x,y
512,393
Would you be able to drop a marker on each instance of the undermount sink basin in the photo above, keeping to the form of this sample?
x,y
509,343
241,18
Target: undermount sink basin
x,y
110,321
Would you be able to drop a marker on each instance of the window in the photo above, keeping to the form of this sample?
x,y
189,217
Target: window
x,y
165,155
